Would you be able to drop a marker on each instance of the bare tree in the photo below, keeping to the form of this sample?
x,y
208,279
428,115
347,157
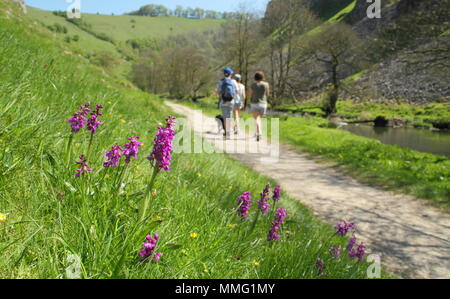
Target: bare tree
x,y
336,46
284,21
239,43
181,66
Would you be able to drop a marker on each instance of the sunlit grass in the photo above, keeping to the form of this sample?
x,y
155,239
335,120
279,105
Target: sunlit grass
x,y
48,215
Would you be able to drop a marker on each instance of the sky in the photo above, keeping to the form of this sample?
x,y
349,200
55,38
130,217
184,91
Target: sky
x,y
120,6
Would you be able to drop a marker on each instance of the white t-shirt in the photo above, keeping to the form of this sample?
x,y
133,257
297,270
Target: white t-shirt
x,y
240,93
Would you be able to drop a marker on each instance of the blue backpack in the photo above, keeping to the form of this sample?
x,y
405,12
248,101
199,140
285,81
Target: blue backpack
x,y
228,90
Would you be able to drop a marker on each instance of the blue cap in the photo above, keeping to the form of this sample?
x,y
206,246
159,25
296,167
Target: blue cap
x,y
228,71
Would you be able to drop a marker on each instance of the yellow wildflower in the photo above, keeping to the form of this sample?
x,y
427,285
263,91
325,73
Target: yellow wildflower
x,y
194,235
109,102
199,175
255,263
2,218
123,121
158,219
231,225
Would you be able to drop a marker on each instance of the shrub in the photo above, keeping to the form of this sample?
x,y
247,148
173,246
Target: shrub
x,y
105,59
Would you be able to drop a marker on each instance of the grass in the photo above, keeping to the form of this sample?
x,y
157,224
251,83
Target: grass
x,y
338,17
427,116
117,30
123,28
331,10
120,28
88,44
355,77
391,167
341,14
51,215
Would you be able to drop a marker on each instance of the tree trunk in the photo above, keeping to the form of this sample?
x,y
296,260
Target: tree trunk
x,y
334,94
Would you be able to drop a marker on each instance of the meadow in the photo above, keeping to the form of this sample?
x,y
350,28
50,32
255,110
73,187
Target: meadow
x,y
106,40
124,27
87,43
52,221
388,166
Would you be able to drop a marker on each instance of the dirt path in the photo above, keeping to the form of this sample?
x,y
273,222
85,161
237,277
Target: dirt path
x,y
412,238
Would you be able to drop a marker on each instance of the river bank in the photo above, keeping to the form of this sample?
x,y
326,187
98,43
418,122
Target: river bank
x,y
434,116
422,140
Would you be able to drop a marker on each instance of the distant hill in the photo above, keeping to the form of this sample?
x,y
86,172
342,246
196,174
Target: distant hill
x,y
123,28
113,38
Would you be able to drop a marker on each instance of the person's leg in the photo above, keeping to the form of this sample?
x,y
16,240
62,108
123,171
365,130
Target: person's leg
x,y
258,125
227,112
257,118
258,128
227,123
237,124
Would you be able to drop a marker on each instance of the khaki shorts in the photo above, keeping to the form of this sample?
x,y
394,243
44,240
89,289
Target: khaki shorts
x,y
259,108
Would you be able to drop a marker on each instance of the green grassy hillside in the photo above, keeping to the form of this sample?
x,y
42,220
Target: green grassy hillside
x,y
326,9
123,28
87,43
107,36
52,222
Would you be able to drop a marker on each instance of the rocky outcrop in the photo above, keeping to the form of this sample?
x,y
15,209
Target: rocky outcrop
x,y
416,71
413,76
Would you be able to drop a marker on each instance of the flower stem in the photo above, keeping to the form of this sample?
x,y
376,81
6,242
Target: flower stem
x,y
254,223
90,144
120,178
68,149
147,192
325,243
